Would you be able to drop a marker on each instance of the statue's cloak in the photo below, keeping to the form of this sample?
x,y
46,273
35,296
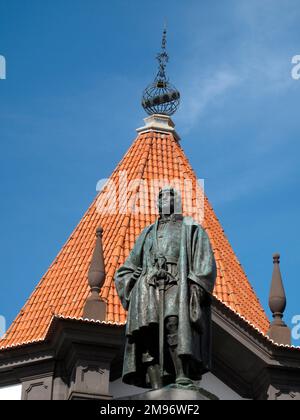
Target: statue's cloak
x,y
196,265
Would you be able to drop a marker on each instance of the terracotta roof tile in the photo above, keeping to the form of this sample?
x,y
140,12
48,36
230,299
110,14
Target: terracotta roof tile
x,y
64,287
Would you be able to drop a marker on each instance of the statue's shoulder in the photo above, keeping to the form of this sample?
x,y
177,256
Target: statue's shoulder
x,y
188,221
140,240
146,230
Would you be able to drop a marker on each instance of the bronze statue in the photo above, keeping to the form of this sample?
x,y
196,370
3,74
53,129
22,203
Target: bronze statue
x,y
166,285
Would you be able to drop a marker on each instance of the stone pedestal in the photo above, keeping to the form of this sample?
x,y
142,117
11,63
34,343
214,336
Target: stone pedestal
x,y
170,393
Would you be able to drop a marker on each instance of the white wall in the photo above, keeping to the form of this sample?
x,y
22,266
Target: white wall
x,y
11,393
209,382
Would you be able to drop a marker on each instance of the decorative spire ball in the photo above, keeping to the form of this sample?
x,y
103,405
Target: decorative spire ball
x,y
160,97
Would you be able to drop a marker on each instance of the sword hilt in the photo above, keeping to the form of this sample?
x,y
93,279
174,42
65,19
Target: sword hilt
x,y
162,262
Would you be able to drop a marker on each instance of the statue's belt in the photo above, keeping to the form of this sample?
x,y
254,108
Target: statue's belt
x,y
171,279
170,259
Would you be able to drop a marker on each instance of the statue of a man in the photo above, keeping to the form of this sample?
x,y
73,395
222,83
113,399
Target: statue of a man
x,y
166,285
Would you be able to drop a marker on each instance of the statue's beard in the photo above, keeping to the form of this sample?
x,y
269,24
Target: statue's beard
x,y
166,210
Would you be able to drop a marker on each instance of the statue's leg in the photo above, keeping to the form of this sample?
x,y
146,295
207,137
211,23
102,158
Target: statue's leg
x,y
153,372
180,365
150,360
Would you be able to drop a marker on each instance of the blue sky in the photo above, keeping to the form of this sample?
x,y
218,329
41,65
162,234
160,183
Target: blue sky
x,y
71,103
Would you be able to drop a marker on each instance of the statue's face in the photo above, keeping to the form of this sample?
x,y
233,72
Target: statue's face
x,y
166,202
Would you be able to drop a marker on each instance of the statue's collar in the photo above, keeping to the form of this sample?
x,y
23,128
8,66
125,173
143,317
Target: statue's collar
x,y
171,218
165,219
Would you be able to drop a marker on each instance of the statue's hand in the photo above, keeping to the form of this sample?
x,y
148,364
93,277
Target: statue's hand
x,y
161,274
195,288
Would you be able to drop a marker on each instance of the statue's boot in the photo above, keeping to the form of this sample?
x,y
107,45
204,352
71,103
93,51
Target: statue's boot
x,y
180,364
154,376
181,369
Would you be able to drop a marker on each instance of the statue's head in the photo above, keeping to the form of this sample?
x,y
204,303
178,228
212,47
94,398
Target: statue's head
x,y
169,201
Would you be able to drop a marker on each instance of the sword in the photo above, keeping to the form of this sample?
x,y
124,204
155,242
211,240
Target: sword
x,y
161,287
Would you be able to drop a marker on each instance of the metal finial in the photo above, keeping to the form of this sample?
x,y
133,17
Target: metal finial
x,y
160,97
163,59
164,39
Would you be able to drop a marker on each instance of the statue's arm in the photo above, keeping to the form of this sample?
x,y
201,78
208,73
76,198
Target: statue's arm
x,y
129,273
125,280
203,266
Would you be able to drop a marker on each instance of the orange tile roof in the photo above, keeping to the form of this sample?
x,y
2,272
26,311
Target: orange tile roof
x,y
64,289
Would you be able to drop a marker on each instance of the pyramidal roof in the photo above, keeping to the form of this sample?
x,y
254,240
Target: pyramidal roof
x,y
156,154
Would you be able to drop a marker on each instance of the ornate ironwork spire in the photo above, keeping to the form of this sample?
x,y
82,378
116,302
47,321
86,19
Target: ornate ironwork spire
x,y
163,59
160,97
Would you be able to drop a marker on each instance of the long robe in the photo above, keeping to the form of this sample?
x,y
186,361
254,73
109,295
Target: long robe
x,y
196,265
